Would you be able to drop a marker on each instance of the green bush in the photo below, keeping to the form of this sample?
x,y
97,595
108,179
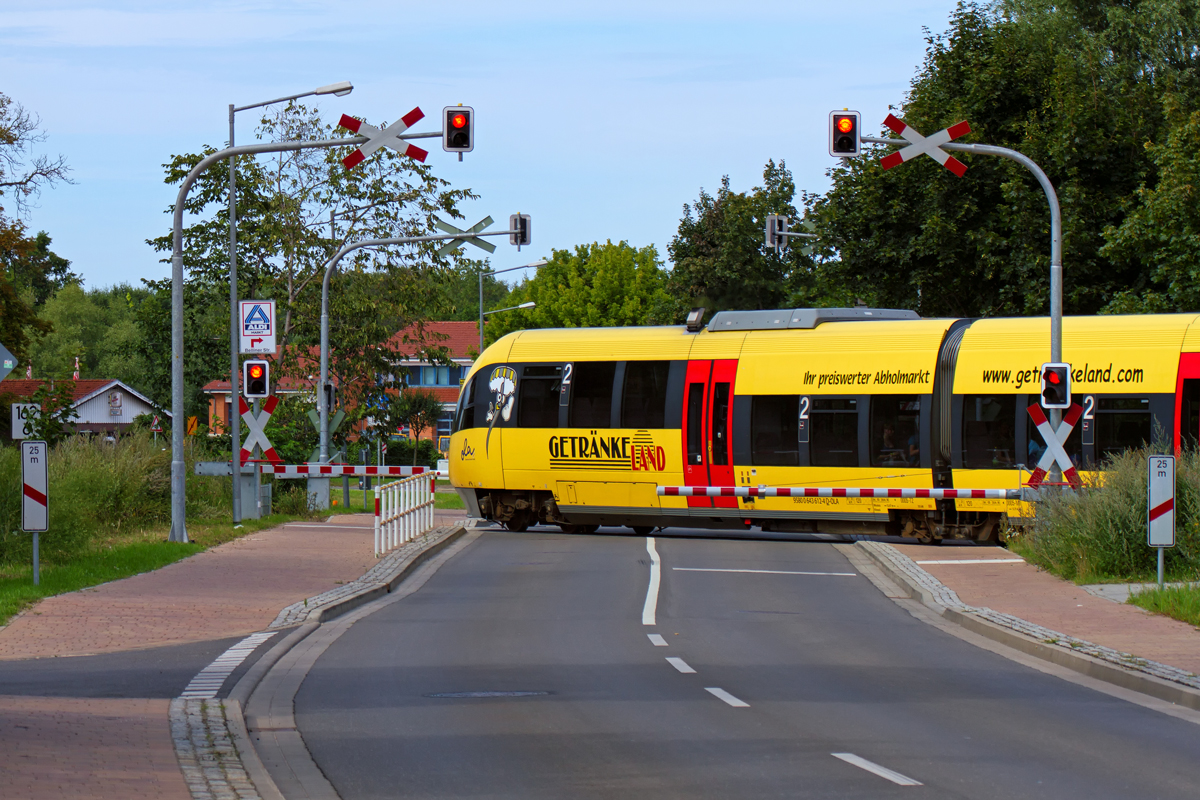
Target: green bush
x,y
400,453
1099,533
99,489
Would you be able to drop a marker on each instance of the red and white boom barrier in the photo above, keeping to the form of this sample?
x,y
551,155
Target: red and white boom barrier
x,y
403,511
829,491
309,470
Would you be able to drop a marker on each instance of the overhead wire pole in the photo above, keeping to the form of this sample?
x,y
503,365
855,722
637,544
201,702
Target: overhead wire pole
x,y
534,265
330,266
1056,243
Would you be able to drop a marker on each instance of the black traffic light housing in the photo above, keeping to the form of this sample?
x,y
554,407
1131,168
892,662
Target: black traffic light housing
x,y
844,134
777,226
256,378
521,226
458,129
1056,385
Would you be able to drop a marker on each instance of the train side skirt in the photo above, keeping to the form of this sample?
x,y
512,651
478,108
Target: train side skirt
x,y
830,491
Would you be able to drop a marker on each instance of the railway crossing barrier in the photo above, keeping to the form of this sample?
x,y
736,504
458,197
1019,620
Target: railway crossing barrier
x,y
403,511
835,491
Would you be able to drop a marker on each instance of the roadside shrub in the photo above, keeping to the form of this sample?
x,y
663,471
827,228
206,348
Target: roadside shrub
x,y
1099,533
101,488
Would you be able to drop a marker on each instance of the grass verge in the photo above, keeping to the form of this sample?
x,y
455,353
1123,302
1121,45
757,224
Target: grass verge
x,y
440,500
114,557
1178,602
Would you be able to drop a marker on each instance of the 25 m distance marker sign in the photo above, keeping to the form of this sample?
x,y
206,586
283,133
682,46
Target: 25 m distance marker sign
x,y
35,508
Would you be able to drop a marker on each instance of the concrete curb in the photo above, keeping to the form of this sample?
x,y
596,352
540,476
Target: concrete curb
x,y
1034,640
379,581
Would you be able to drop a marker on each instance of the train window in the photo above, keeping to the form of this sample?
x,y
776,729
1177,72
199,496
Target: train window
x,y
591,394
988,438
834,438
720,423
1189,415
537,397
1122,423
695,423
644,398
465,418
895,431
773,435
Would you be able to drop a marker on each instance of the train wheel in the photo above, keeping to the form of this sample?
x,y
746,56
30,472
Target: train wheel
x,y
590,528
929,538
643,530
518,524
572,528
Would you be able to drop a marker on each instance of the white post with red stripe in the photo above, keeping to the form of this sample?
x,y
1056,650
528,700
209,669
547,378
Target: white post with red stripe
x,y
1160,506
35,490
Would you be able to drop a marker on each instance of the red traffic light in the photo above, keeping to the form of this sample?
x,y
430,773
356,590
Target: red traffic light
x,y
845,124
256,371
458,120
1052,377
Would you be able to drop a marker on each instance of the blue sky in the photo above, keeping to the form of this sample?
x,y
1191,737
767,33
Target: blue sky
x,y
601,120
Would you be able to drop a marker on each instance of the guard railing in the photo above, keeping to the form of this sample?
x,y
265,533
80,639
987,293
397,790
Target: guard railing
x,y
403,511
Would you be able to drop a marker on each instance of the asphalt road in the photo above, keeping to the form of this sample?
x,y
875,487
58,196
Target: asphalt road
x,y
789,669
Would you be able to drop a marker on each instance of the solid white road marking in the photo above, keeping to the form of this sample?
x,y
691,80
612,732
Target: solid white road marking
x,y
871,766
657,640
681,665
651,607
773,571
976,561
209,680
726,696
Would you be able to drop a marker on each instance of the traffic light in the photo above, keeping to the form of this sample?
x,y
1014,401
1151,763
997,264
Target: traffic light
x,y
330,397
1056,385
843,134
521,225
458,132
256,379
777,226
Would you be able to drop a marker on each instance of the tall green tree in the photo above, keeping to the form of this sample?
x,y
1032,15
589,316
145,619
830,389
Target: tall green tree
x,y
1077,87
38,269
417,409
597,285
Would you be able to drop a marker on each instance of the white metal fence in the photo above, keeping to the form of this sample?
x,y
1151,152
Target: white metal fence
x,y
403,510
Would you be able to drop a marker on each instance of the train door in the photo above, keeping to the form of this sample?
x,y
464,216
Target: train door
x,y
707,417
1187,402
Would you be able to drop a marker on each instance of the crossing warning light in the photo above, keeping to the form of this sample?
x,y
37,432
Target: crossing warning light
x,y
458,130
256,379
844,134
777,226
1056,385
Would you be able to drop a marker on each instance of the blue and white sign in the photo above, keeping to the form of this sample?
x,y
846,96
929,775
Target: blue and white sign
x,y
258,326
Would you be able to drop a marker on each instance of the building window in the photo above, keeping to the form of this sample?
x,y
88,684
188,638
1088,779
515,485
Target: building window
x,y
445,422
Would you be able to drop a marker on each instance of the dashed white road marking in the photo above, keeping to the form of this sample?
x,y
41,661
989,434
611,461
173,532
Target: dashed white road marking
x,y
726,696
209,680
976,561
651,608
871,766
681,665
777,571
657,640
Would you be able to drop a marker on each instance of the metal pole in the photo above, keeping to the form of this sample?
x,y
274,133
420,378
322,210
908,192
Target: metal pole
x,y
480,313
37,573
1160,563
235,421
179,420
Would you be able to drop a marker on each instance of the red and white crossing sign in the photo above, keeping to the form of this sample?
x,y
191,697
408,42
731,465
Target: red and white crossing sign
x,y
156,425
35,486
925,145
388,137
254,426
1054,445
1160,485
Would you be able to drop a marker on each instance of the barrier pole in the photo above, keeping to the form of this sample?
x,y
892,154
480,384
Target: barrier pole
x,y
376,524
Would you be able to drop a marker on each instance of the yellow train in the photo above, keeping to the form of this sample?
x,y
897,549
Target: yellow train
x,y
578,427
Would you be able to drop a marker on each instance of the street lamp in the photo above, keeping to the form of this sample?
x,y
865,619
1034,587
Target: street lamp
x,y
339,89
534,265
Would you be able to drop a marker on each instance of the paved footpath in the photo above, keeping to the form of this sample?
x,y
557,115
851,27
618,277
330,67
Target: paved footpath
x,y
1006,583
117,748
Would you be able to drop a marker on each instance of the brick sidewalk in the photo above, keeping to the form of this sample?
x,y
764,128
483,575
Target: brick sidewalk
x,y
1024,591
119,748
